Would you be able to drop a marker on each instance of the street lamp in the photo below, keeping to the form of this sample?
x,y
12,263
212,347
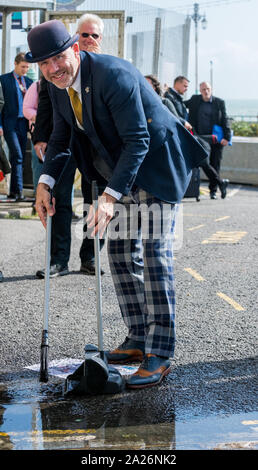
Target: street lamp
x,y
196,17
211,73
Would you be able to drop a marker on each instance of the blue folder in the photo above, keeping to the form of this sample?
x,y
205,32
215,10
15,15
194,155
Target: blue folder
x,y
218,131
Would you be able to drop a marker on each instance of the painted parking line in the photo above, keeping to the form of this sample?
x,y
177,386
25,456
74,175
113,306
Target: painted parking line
x,y
233,192
56,432
225,297
250,423
222,218
195,274
225,237
196,227
204,190
230,301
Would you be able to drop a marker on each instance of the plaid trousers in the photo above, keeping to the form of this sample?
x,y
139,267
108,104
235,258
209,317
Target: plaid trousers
x,y
141,265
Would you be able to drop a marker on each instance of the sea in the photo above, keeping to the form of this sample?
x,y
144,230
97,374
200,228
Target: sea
x,y
242,108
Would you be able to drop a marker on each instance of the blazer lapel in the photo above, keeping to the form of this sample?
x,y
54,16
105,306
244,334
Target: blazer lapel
x,y
15,91
66,107
86,90
87,102
215,110
12,91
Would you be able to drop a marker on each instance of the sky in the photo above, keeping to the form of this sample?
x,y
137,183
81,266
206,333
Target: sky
x,y
230,42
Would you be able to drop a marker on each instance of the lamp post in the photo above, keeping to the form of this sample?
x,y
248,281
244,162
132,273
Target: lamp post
x,y
211,73
196,17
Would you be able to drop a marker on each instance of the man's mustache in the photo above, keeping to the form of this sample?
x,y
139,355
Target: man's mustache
x,y
59,72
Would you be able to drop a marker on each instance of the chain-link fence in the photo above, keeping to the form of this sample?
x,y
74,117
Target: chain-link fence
x,y
155,40
113,37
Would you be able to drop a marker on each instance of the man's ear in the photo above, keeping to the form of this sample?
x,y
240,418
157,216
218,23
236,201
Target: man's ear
x,y
75,47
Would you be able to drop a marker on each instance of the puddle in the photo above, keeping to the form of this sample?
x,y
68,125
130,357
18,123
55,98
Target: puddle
x,y
36,416
223,432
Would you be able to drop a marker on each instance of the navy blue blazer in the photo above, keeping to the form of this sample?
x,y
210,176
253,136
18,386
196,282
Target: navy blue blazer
x,y
129,127
9,114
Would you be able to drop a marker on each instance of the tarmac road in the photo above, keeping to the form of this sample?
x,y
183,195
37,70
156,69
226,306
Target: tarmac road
x,y
208,401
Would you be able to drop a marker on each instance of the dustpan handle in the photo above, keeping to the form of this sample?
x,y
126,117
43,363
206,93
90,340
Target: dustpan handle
x,y
97,271
47,268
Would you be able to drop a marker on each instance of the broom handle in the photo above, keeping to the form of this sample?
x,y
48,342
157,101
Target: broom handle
x,y
97,271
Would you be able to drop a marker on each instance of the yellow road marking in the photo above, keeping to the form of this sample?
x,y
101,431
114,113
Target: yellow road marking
x,y
49,431
204,190
230,301
225,237
196,227
67,431
222,218
194,274
247,423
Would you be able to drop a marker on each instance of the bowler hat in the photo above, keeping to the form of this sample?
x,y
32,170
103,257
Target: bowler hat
x,y
47,40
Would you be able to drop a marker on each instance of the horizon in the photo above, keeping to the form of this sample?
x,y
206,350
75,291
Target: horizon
x,y
239,99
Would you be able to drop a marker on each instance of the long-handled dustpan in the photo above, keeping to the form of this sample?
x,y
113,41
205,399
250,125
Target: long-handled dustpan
x,y
43,374
94,375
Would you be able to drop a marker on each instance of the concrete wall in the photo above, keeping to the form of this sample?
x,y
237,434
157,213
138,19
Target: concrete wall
x,y
240,162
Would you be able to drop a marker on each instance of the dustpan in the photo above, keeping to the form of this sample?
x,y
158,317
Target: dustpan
x,y
95,375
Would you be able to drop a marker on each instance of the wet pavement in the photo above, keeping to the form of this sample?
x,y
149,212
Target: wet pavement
x,y
36,416
207,402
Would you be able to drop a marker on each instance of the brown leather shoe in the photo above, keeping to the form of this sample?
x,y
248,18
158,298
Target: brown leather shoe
x,y
129,351
151,372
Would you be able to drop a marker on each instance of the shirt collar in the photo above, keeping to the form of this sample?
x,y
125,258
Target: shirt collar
x,y
176,92
77,83
210,100
17,76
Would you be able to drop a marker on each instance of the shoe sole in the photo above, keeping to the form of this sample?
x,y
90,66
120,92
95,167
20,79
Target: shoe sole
x,y
166,372
126,361
63,273
90,273
85,271
52,275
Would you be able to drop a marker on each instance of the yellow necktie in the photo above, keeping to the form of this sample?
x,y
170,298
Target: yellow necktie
x,y
77,106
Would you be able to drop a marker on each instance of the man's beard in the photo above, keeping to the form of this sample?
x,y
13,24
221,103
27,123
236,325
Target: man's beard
x,y
63,79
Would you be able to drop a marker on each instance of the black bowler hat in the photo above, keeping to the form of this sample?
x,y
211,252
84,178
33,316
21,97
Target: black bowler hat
x,y
47,40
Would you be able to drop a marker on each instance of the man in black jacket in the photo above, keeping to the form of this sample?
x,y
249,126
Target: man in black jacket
x,y
205,110
175,95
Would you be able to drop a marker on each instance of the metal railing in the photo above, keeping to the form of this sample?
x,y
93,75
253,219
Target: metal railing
x,y
244,117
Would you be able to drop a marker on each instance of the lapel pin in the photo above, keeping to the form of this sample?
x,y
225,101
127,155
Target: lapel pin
x,y
87,89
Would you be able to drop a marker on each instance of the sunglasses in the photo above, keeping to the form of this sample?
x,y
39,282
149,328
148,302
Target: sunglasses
x,y
86,35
